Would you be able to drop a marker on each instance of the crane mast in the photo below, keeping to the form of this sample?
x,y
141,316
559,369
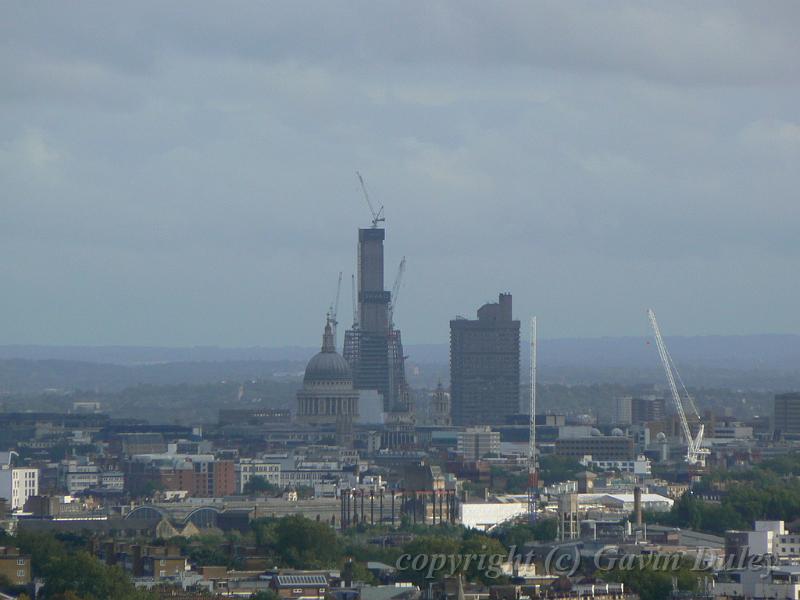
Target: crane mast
x,y
334,309
377,216
694,452
355,300
398,280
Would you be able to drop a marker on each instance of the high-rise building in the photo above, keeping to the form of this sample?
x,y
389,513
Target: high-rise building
x,y
440,407
623,411
646,410
484,365
373,348
787,414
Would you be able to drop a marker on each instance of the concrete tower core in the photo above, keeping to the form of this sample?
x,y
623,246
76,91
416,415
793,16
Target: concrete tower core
x,y
373,300
372,348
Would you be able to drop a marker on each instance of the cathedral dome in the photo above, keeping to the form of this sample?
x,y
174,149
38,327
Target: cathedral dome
x,y
328,365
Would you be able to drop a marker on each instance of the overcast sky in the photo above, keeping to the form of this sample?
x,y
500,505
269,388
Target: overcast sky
x,y
184,173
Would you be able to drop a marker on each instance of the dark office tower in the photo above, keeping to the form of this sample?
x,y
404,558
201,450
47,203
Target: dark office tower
x,y
373,349
646,410
787,415
484,365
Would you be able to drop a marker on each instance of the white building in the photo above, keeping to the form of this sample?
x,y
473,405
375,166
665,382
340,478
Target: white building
x,y
77,476
112,480
640,466
476,442
767,537
624,502
17,484
247,468
485,515
768,583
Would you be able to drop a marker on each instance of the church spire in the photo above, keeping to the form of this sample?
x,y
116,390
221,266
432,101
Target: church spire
x,y
327,337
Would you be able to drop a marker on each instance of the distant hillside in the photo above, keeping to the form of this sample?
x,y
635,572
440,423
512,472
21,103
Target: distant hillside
x,y
759,362
143,355
30,376
728,352
774,352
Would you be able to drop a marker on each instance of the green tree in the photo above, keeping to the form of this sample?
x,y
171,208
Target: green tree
x,y
209,550
265,595
518,534
430,546
70,572
259,485
553,469
90,579
354,570
304,543
490,554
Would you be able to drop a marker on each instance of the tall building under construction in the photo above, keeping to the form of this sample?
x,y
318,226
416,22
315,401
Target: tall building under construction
x,y
372,346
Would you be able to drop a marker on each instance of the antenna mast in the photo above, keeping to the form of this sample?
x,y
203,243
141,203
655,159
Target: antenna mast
x,y
533,467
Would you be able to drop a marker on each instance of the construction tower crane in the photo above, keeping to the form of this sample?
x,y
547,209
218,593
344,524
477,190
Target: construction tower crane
x,y
398,280
392,342
695,454
355,300
334,309
377,216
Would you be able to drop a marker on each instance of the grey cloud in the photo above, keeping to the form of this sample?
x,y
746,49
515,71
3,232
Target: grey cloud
x,y
711,43
185,173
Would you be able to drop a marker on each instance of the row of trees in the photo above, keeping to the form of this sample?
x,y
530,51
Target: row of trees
x,y
72,573
770,490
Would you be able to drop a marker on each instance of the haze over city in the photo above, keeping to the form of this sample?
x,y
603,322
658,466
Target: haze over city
x,y
175,178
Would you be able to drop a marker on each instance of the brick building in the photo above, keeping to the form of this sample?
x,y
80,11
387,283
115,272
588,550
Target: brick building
x,y
15,567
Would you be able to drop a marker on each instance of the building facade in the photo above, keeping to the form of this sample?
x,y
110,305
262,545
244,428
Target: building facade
x,y
599,447
247,468
15,566
476,442
328,396
787,414
17,484
646,410
623,411
484,365
440,407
